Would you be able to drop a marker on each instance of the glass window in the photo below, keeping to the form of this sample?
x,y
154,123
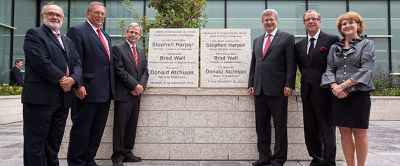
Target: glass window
x,y
290,15
381,53
395,25
330,11
117,12
78,12
215,14
246,14
5,12
5,18
25,18
4,54
374,14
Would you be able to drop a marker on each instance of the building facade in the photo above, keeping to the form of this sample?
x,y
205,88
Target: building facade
x,y
382,19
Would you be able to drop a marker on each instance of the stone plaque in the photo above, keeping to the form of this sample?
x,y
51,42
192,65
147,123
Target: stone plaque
x,y
225,57
173,58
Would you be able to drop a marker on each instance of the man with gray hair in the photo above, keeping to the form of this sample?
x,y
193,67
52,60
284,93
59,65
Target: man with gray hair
x,y
131,79
93,97
52,69
271,81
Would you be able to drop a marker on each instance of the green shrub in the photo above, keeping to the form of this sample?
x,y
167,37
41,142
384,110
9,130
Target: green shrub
x,y
6,90
386,84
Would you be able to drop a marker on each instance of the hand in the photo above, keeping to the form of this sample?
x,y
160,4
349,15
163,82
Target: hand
x,y
139,89
250,91
287,91
80,92
342,95
66,83
134,93
336,89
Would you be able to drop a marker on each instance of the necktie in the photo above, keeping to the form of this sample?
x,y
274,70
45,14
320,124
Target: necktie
x,y
103,42
59,40
266,44
311,46
135,56
62,45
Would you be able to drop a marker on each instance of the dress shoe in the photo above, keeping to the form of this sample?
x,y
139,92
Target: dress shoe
x,y
132,158
119,163
260,163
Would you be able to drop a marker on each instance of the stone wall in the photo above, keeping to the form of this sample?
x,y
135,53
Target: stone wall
x,y
10,109
385,108
201,124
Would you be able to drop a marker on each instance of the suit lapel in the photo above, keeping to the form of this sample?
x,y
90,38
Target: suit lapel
x,y
65,48
52,36
315,52
94,35
129,53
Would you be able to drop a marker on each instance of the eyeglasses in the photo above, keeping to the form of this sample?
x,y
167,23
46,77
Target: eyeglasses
x,y
311,19
51,14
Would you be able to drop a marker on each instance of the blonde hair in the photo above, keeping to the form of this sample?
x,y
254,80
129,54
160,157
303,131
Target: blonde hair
x,y
354,16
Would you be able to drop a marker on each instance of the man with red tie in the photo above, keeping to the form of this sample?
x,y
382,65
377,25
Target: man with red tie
x,y
271,81
131,79
92,103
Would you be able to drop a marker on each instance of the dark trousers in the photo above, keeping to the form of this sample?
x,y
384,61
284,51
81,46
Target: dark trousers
x,y
275,106
126,117
43,129
319,132
89,120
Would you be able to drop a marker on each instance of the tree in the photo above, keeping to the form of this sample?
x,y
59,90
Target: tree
x,y
170,14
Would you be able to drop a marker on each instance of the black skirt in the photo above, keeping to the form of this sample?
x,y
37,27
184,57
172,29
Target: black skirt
x,y
352,111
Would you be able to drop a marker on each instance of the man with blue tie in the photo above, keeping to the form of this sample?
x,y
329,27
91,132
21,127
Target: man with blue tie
x,y
131,79
91,105
52,69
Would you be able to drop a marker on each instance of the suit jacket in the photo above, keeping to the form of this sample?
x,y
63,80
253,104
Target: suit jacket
x,y
278,67
16,77
127,75
312,66
45,64
98,70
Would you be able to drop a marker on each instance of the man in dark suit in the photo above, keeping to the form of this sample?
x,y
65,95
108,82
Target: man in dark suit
x,y
52,69
16,77
131,79
311,53
271,81
91,105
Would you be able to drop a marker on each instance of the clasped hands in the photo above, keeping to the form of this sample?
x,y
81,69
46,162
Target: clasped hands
x,y
137,90
66,83
339,90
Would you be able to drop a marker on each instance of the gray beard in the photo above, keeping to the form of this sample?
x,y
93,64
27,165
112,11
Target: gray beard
x,y
53,26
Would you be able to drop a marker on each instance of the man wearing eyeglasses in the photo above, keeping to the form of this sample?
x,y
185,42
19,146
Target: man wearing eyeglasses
x,y
131,79
311,54
52,70
92,103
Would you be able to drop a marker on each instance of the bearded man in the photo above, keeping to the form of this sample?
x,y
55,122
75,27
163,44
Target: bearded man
x,y
52,69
